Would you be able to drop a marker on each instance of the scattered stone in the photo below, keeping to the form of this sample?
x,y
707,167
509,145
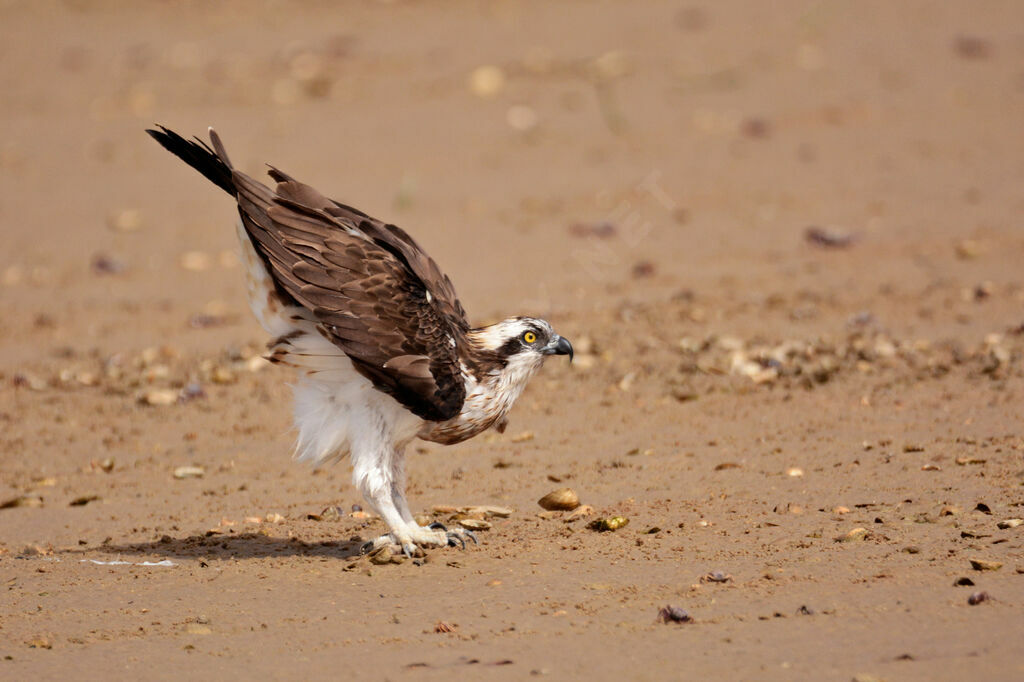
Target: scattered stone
x,y
643,269
475,524
222,375
931,467
106,465
39,643
523,437
840,510
487,81
805,611
969,249
563,499
722,466
159,397
275,518
383,556
36,550
963,461
488,510
608,524
794,472
673,614
963,582
330,514
29,501
189,472
443,627
855,535
83,500
582,511
978,597
985,565
1010,523
828,237
104,264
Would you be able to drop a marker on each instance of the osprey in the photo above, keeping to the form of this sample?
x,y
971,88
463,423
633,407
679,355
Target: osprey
x,y
382,343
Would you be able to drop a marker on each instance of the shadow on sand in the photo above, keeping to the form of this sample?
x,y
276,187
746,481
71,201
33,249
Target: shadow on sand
x,y
229,546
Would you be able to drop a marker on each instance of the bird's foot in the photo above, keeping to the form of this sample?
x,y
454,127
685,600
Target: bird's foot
x,y
412,542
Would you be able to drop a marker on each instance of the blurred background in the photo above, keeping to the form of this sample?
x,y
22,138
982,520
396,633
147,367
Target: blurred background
x,y
785,238
551,156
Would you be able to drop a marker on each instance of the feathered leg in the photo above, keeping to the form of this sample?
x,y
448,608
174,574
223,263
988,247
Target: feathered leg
x,y
372,474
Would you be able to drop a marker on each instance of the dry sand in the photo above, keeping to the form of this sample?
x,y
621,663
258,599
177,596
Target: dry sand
x,y
641,174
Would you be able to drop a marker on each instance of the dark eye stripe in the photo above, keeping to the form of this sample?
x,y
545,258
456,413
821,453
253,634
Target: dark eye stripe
x,y
510,347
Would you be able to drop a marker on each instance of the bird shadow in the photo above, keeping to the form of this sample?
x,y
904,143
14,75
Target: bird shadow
x,y
231,546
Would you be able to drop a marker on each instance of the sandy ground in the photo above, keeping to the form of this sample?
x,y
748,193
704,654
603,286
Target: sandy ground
x,y
644,175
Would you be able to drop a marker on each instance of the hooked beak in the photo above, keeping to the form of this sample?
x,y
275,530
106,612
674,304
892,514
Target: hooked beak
x,y
559,346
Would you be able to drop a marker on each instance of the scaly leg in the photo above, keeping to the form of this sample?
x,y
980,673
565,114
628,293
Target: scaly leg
x,y
435,533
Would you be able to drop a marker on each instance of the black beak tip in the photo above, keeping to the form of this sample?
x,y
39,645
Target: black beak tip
x,y
563,347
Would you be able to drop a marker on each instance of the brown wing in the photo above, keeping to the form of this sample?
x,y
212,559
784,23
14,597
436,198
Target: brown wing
x,y
391,237
376,294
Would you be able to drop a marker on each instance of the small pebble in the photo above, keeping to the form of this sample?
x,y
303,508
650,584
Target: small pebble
x,y
977,598
985,565
189,472
855,535
487,81
609,524
475,524
564,499
673,614
159,397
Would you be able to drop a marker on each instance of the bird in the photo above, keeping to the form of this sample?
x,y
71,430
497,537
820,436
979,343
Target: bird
x,y
380,342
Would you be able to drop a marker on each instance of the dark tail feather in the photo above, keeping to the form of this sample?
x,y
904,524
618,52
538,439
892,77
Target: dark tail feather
x,y
196,153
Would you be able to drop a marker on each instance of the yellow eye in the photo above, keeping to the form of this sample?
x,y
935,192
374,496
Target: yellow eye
x,y
529,337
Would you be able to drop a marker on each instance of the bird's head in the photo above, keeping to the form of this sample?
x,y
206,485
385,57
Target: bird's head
x,y
519,343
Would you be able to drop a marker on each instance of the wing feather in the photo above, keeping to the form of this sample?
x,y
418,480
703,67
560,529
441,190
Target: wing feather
x,y
374,292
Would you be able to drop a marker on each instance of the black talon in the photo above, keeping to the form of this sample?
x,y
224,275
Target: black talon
x,y
437,525
460,535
